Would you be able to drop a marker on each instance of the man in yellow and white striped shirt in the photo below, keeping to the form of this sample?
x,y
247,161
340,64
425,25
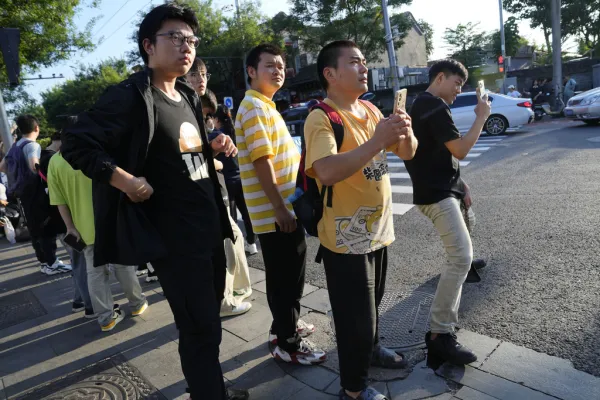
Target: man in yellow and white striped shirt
x,y
269,162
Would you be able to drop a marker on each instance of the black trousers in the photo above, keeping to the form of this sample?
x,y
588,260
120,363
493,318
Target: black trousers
x,y
45,248
236,199
285,267
194,285
356,284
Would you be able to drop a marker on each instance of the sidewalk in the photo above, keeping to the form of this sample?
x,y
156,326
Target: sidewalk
x,y
48,352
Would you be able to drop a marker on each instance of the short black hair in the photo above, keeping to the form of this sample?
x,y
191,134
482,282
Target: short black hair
x,y
197,65
253,57
448,67
26,124
223,114
154,20
328,57
209,100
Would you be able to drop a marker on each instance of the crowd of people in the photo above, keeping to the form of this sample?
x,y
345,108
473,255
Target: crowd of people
x,y
152,176
541,90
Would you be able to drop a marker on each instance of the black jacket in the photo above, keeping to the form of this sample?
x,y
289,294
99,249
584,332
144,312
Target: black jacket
x,y
117,131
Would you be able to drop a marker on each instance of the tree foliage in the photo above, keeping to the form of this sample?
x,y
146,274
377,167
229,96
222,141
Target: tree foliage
x,y
80,93
222,35
513,40
427,29
318,22
48,31
466,43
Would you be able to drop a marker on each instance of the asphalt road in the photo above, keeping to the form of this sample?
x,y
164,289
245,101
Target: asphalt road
x,y
537,200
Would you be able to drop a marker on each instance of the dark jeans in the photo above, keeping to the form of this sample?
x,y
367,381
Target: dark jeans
x,y
194,284
285,266
236,199
356,284
45,248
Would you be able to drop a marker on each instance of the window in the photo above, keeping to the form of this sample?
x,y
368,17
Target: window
x,y
464,101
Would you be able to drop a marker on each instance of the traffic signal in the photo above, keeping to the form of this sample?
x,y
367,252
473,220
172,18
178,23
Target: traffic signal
x,y
501,64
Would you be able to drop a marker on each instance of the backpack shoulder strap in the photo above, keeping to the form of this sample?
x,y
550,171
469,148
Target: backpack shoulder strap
x,y
370,106
335,120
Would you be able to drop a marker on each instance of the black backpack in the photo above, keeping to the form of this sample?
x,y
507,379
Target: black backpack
x,y
308,201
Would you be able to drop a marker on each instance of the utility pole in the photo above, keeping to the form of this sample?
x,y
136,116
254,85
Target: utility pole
x,y
556,50
502,44
389,39
4,126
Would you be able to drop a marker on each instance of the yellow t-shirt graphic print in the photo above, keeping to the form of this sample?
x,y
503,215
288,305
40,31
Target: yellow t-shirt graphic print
x,y
360,220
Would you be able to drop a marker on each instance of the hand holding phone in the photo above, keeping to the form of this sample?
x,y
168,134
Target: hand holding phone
x,y
481,86
75,242
400,100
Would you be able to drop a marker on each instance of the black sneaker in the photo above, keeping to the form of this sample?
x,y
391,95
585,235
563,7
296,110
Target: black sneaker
x,y
445,348
479,263
77,307
473,276
236,394
151,277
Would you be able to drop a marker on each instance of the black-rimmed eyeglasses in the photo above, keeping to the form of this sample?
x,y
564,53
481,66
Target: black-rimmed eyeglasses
x,y
178,39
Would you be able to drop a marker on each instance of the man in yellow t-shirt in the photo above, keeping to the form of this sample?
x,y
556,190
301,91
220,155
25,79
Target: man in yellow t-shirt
x,y
269,162
356,230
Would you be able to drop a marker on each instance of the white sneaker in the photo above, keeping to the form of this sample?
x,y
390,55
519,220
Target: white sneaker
x,y
43,268
61,266
251,248
141,272
229,311
307,354
303,328
52,270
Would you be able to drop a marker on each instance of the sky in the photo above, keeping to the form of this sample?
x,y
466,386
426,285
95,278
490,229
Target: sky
x,y
119,17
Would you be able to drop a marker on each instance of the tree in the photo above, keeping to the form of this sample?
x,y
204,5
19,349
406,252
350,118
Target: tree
x,y
538,12
318,22
428,32
466,43
79,94
220,35
513,41
48,31
587,25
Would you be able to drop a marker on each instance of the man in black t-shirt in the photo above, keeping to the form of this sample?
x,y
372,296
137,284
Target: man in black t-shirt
x,y
155,188
438,191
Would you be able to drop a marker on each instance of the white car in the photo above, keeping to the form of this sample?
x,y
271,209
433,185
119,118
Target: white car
x,y
507,113
585,107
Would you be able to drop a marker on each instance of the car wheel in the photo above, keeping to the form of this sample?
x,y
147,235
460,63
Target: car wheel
x,y
496,125
593,122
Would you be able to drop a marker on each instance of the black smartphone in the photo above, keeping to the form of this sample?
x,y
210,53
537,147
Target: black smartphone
x,y
77,245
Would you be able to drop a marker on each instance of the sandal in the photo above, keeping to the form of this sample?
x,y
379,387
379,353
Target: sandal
x,y
368,394
387,358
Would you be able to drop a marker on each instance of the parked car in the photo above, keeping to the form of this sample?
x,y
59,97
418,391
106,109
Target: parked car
x,y
585,107
507,113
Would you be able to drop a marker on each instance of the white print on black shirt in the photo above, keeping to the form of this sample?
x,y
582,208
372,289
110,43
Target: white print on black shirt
x,y
196,165
190,146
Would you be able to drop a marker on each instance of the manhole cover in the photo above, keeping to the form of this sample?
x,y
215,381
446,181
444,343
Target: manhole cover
x,y
404,319
19,307
112,379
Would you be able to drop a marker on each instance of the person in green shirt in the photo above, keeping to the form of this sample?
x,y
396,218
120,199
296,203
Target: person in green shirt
x,y
71,192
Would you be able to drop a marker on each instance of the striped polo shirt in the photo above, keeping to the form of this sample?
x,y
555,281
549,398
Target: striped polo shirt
x,y
260,131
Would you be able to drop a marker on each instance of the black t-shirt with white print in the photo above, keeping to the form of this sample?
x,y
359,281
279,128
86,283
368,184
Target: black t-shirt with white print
x,y
183,204
434,171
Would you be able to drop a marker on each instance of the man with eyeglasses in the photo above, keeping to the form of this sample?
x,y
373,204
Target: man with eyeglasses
x,y
155,188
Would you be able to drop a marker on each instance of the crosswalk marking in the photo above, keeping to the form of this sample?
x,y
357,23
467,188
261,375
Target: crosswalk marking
x,y
401,183
401,164
402,189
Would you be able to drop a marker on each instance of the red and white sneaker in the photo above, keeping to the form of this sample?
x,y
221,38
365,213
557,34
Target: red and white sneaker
x,y
307,354
303,328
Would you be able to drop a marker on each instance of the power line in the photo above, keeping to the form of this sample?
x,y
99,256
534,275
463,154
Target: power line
x,y
110,18
116,30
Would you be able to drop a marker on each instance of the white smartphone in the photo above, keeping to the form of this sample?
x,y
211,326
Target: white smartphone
x,y
400,100
481,86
